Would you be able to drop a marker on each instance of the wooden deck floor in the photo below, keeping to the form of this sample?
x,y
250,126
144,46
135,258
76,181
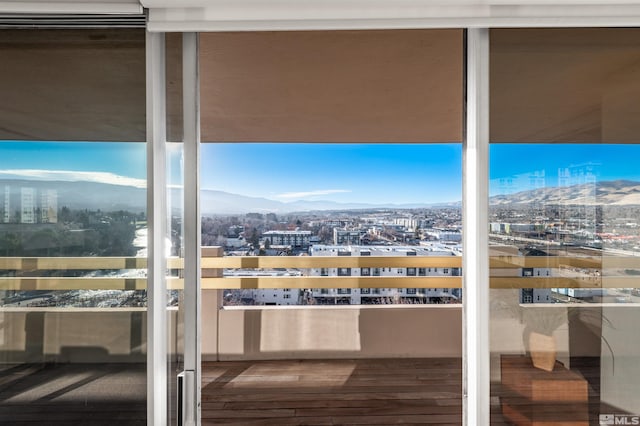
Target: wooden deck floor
x,y
291,392
332,392
73,394
370,391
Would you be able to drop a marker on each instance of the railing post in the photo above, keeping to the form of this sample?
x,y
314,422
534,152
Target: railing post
x,y
211,305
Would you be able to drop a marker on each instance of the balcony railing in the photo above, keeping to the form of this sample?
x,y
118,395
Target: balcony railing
x,y
30,273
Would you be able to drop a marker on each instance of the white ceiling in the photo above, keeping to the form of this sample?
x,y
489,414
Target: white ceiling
x,y
245,15
71,6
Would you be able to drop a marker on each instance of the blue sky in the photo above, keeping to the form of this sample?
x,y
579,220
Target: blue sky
x,y
120,158
338,172
605,161
370,173
111,162
614,161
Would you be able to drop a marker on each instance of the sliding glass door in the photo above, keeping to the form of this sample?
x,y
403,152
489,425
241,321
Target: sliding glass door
x,y
72,226
564,212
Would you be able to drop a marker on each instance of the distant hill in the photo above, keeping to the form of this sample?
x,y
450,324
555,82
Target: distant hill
x,y
616,192
83,195
108,197
220,202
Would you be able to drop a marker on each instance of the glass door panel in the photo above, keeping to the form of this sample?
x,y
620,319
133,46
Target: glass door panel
x,y
563,225
72,226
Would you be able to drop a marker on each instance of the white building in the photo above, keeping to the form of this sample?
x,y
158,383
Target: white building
x,y
27,205
6,217
536,295
526,295
262,297
295,239
584,175
583,293
535,179
347,237
384,295
409,223
238,242
276,296
49,206
515,228
442,235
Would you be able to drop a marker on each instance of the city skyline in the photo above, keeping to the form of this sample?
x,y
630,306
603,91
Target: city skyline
x,y
354,173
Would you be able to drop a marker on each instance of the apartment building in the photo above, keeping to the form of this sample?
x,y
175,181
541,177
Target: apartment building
x,y
295,239
345,237
385,295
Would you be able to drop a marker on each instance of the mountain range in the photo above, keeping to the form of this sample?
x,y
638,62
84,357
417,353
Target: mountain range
x,y
108,197
614,192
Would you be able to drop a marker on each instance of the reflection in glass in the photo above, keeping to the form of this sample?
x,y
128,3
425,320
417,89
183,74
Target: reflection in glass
x,y
565,255
93,204
568,85
175,252
73,273
72,226
72,85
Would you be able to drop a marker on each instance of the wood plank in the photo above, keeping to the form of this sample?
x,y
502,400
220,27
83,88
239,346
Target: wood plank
x,y
324,395
378,391
287,392
338,403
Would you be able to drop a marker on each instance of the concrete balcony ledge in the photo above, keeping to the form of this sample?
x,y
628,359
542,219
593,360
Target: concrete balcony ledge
x,y
339,307
369,331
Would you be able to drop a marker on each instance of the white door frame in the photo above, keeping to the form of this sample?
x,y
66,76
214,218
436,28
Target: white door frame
x,y
157,351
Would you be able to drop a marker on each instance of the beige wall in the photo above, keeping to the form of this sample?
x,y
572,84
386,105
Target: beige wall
x,y
119,335
77,335
347,332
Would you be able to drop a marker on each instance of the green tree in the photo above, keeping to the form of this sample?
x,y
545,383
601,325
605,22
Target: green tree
x,y
252,237
11,244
